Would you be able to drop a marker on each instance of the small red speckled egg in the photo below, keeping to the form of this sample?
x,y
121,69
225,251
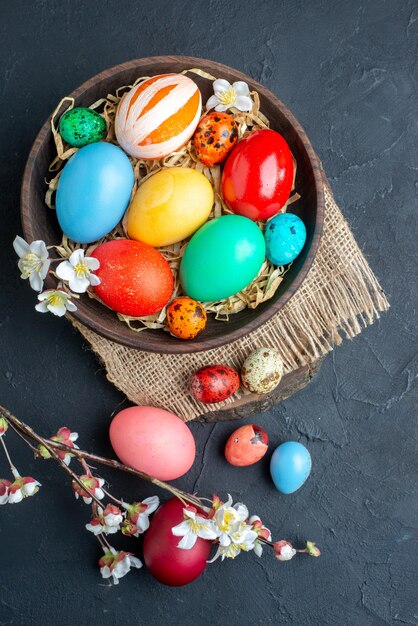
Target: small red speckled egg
x,y
247,445
215,136
135,279
186,318
214,383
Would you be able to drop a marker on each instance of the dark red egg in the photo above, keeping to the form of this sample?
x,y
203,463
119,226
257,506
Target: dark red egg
x,y
247,445
215,136
166,562
214,383
258,175
135,279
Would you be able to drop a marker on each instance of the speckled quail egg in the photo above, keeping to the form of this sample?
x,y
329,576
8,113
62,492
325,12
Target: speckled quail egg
x,y
262,370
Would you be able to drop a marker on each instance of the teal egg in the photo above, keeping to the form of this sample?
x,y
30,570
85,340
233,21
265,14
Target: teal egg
x,y
285,237
222,258
81,126
290,466
93,192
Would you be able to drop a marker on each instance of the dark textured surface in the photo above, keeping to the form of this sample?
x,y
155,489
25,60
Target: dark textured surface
x,y
348,72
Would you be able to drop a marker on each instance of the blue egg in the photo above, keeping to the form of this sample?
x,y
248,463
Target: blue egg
x,y
290,466
285,237
93,192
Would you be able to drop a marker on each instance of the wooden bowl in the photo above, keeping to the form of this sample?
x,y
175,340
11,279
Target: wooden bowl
x,y
39,222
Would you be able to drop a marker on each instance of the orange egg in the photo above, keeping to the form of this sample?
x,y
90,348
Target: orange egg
x,y
215,136
247,445
158,116
186,318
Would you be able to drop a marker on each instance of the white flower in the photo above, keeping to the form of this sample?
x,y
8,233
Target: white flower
x,y
137,521
152,503
93,487
65,436
78,271
33,261
113,517
227,96
226,552
106,521
96,526
4,490
192,527
261,531
227,519
22,487
244,536
55,301
116,564
258,548
242,539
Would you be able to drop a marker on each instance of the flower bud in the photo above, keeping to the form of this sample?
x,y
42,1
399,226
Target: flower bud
x,y
129,529
43,452
3,426
312,549
283,550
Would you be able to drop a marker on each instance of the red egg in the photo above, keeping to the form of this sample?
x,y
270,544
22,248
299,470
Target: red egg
x,y
214,383
135,279
154,441
247,445
169,564
258,175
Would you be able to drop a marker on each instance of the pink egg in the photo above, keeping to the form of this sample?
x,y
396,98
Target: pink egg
x,y
154,441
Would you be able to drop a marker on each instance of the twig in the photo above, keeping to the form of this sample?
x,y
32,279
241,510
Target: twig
x,y
6,452
28,443
109,495
83,464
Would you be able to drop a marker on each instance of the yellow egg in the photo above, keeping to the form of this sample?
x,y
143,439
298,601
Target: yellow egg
x,y
170,206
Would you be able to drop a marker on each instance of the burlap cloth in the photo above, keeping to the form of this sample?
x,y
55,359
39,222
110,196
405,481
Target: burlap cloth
x,y
338,298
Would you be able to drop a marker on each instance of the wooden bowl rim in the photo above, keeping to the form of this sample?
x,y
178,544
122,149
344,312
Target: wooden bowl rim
x,y
134,339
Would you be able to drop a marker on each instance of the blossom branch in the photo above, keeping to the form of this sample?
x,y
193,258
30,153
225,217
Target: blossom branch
x,y
47,443
182,495
51,446
231,526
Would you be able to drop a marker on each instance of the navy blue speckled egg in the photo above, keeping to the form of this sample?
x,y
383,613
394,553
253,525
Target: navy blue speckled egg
x,y
285,237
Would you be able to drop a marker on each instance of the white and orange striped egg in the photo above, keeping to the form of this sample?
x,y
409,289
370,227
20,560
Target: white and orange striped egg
x,y
158,116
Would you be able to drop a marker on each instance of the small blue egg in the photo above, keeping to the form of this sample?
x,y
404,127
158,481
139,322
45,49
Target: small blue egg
x,y
93,192
290,466
285,237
